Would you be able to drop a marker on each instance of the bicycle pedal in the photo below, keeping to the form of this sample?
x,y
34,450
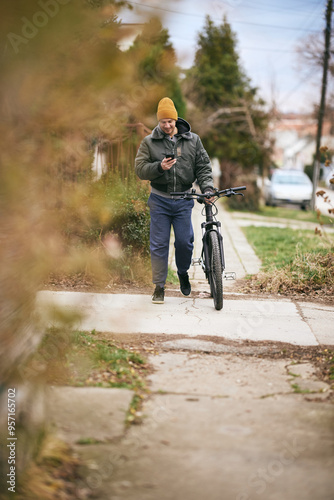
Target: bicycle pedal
x,y
196,261
230,275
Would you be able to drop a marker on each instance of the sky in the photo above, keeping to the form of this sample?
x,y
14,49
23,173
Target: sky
x,y
267,32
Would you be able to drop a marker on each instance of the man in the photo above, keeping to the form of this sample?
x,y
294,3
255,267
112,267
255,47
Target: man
x,y
172,158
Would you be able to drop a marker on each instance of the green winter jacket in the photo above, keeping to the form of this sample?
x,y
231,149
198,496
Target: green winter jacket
x,y
192,162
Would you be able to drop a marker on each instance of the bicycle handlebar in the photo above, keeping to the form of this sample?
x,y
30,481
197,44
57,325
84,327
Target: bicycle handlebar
x,y
211,194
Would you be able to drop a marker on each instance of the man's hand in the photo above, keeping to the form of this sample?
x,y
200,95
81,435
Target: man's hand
x,y
167,163
212,198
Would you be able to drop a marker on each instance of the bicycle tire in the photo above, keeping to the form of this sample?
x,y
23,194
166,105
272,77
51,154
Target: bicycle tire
x,y
216,271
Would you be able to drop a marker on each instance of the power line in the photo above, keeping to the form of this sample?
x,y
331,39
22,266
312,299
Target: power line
x,y
262,49
296,87
306,22
272,8
272,26
258,49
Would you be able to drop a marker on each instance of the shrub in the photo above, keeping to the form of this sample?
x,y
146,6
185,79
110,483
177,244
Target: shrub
x,y
131,221
108,223
109,205
251,199
308,169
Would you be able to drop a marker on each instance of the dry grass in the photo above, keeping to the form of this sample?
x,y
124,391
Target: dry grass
x,y
53,475
309,273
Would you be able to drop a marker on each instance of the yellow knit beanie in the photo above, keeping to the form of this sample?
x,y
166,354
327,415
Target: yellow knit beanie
x,y
166,109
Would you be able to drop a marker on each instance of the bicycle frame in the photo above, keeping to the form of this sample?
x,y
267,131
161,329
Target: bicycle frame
x,y
212,258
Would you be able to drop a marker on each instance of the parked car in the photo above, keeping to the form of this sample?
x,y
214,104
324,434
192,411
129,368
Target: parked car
x,y
288,186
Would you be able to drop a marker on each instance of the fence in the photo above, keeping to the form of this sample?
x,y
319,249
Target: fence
x,y
118,155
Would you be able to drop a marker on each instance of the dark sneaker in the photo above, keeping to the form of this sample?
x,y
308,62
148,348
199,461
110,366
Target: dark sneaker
x,y
185,286
158,295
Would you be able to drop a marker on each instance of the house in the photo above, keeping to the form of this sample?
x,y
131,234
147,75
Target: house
x,y
294,138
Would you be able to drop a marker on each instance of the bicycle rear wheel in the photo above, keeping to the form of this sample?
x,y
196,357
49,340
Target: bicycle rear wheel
x,y
216,271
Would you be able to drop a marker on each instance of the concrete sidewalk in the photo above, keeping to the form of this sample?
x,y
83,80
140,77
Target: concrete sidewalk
x,y
216,426
254,319
243,219
242,317
221,421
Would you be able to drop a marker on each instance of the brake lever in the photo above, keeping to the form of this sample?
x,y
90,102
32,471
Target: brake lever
x,y
234,194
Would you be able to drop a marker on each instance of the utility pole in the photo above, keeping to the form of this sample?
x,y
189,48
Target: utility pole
x,y
316,165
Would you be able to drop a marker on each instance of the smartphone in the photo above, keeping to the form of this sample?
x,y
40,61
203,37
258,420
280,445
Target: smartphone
x,y
170,157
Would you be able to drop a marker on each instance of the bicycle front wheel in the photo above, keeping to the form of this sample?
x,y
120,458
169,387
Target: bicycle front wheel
x,y
216,271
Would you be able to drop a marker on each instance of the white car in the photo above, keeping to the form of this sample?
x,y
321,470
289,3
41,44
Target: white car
x,y
288,186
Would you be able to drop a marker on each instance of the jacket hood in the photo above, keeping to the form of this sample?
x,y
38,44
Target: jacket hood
x,y
183,129
182,126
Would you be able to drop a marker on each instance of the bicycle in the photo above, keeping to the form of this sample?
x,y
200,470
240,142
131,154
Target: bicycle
x,y
212,258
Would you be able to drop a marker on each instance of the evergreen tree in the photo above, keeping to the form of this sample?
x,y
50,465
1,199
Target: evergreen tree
x,y
158,69
218,75
225,106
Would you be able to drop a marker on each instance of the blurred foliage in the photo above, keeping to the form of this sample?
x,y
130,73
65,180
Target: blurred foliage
x,y
131,216
223,105
65,85
326,156
105,229
109,205
309,169
54,473
158,64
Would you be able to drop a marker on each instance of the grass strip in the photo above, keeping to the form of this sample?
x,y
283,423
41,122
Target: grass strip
x,y
79,358
293,261
290,214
